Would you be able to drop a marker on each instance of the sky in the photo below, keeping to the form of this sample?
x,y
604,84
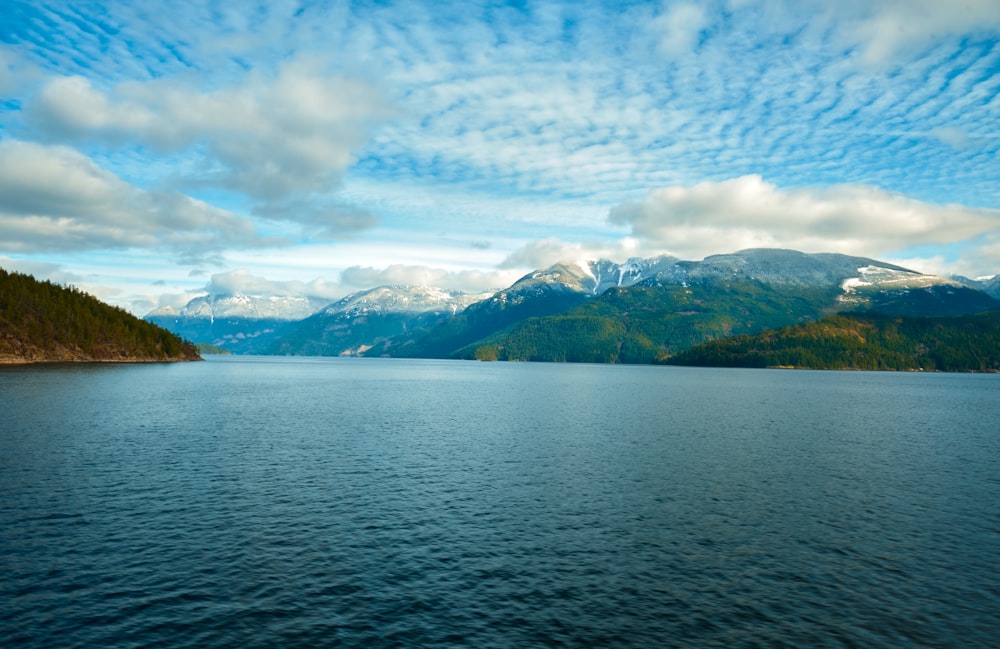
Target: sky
x,y
151,152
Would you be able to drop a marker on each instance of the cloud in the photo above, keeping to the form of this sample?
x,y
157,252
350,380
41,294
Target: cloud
x,y
508,125
748,212
56,199
15,73
355,278
953,136
323,217
888,28
680,26
544,253
41,270
241,281
273,138
360,277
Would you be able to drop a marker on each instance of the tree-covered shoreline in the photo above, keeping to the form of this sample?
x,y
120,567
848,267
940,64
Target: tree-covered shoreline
x,y
42,322
862,341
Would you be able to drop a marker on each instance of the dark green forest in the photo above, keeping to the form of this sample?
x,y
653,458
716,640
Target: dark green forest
x,y
868,341
42,321
648,324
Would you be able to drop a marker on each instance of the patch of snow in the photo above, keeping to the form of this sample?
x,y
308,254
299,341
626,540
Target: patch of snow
x,y
851,283
589,272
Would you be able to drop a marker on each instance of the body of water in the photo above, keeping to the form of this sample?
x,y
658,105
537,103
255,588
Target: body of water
x,y
268,502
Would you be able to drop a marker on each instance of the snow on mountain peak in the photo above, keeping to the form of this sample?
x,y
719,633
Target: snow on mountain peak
x,y
403,299
892,278
242,306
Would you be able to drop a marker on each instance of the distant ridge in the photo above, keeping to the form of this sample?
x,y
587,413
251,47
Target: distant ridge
x,y
239,323
645,310
44,322
637,311
354,324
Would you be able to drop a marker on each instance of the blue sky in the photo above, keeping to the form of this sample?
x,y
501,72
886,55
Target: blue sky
x,y
152,151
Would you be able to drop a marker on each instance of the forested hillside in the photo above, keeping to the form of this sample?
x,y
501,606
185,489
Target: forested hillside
x,y
42,321
968,343
642,324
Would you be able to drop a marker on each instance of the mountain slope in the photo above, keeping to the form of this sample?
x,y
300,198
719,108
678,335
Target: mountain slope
x,y
550,291
989,285
771,266
40,321
598,311
641,324
357,322
242,324
863,341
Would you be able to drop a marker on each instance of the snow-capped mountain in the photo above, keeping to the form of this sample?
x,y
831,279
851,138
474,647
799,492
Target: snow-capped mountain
x,y
247,307
741,291
402,299
787,268
579,278
355,323
774,267
686,301
989,284
239,323
873,278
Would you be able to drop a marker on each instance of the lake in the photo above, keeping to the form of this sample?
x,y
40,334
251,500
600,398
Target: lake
x,y
265,502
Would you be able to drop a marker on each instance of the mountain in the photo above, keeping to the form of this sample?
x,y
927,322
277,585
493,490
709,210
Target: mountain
x,y
969,343
646,310
550,291
639,311
355,323
989,285
239,323
789,268
641,324
44,322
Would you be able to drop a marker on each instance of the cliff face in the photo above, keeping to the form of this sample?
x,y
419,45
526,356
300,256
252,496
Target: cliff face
x,y
44,322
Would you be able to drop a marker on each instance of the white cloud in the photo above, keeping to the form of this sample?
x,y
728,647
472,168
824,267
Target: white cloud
x,y
952,136
272,139
515,124
888,28
979,258
323,217
748,212
361,277
71,106
680,26
54,198
242,281
41,270
544,253
354,278
15,73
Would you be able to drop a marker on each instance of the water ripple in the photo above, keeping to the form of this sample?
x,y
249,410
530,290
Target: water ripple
x,y
448,505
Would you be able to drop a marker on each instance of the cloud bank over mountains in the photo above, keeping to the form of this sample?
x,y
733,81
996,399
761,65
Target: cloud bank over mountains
x,y
748,212
461,145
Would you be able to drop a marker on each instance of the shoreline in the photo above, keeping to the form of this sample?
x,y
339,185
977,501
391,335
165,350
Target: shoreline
x,y
55,361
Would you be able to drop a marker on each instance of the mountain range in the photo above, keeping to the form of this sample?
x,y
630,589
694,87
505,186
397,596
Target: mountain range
x,y
241,324
639,311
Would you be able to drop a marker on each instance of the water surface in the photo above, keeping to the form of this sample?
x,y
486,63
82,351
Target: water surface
x,y
261,502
